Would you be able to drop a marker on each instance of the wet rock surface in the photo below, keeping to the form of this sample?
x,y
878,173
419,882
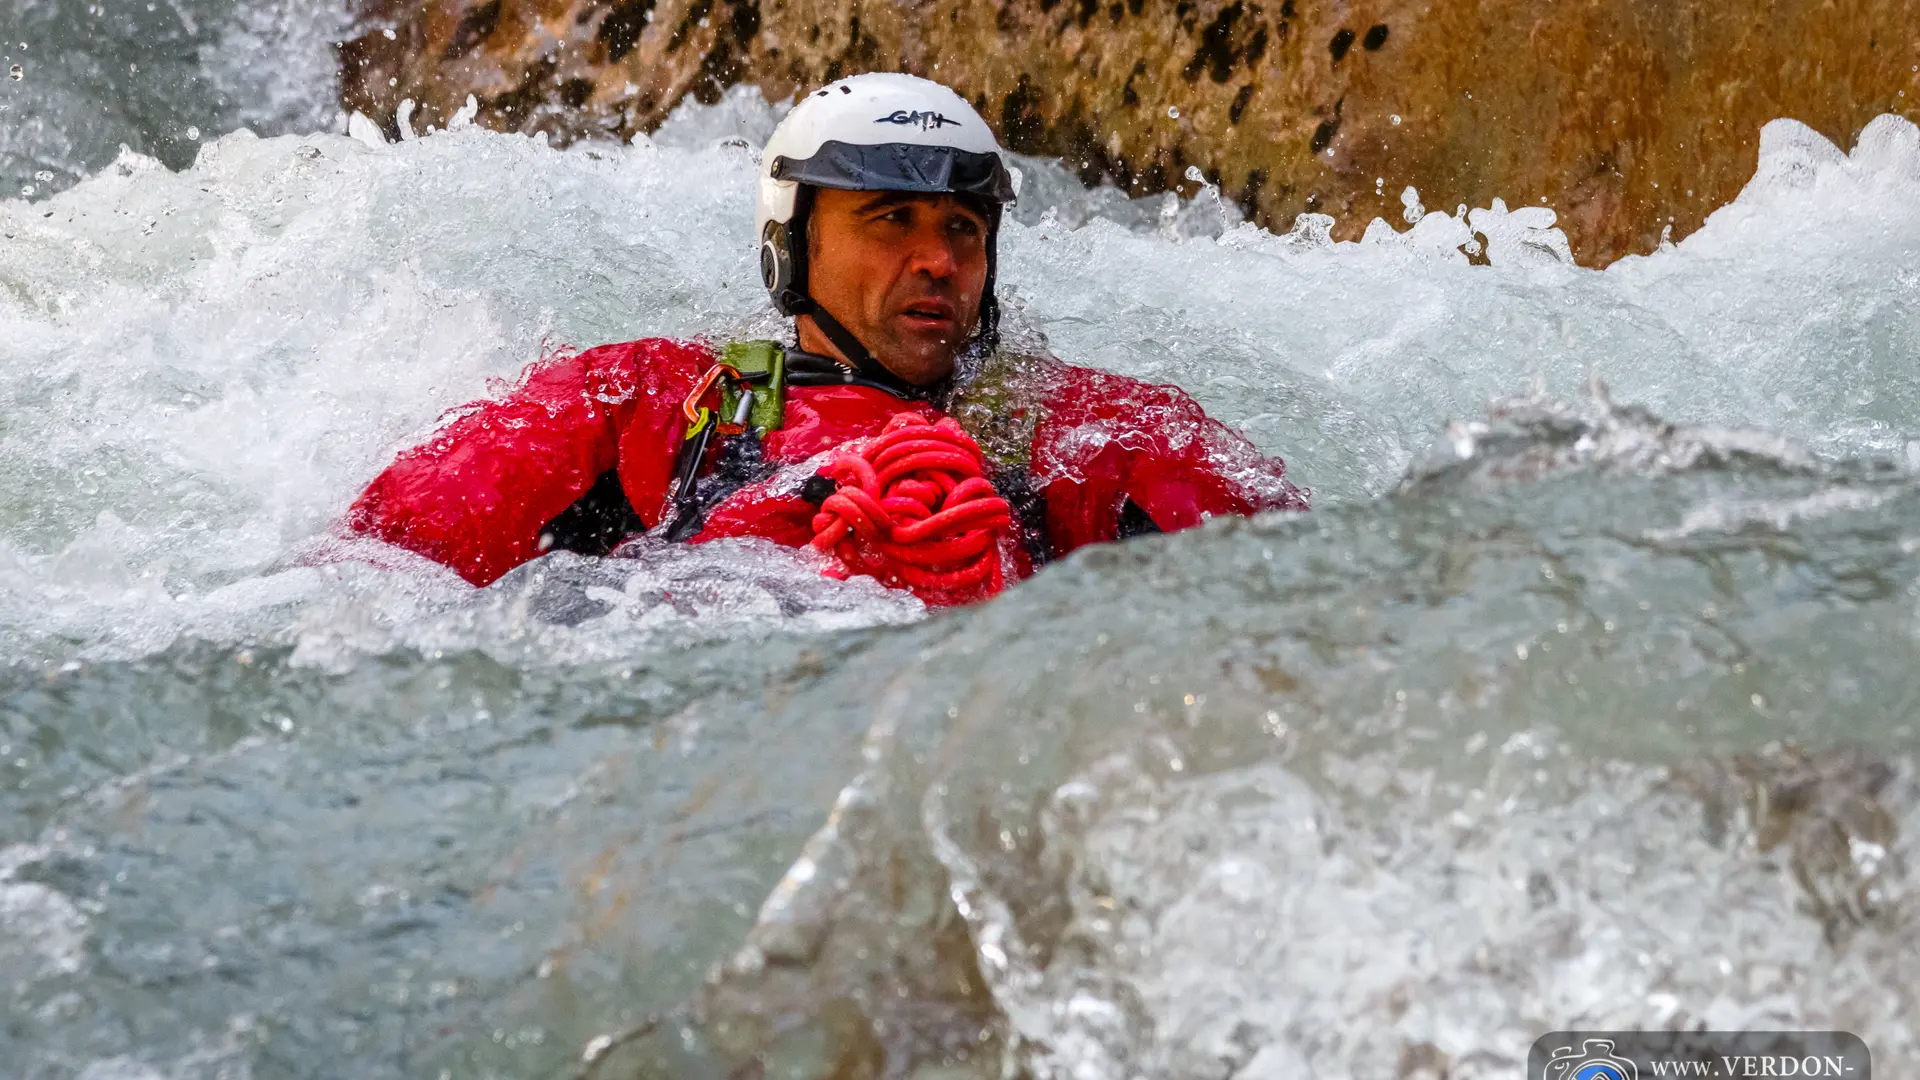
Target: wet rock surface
x,y
1628,117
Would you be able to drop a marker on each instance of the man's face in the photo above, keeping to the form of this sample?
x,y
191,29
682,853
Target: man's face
x,y
903,272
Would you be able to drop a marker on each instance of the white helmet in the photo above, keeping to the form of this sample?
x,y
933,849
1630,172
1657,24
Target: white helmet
x,y
874,132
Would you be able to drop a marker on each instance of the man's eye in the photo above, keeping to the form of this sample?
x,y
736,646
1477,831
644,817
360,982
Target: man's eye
x,y
965,227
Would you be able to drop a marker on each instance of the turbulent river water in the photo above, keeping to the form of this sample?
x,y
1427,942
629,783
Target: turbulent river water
x,y
1584,698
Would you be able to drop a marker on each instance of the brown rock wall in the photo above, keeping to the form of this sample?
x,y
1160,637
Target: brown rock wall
x,y
572,68
1626,116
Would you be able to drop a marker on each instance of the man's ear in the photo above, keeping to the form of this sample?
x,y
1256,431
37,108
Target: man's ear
x,y
813,237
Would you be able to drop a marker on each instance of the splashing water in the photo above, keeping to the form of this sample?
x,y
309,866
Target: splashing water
x,y
144,74
1551,715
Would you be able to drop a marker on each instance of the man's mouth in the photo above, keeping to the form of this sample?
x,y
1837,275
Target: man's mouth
x,y
934,315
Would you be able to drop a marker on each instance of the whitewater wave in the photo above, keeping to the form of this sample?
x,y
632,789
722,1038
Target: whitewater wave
x,y
1556,709
207,365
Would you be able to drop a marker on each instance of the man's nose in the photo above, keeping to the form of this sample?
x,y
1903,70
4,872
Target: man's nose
x,y
932,253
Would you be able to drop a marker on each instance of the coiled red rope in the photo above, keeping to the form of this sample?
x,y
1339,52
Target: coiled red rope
x,y
914,508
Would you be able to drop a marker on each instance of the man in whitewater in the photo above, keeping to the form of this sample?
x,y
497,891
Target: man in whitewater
x,y
899,439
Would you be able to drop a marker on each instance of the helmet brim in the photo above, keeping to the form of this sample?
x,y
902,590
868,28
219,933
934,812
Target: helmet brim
x,y
909,167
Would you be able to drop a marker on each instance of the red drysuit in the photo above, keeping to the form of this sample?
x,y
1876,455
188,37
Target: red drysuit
x,y
1095,449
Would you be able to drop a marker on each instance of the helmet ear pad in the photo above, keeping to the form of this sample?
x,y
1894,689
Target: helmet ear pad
x,y
776,264
783,258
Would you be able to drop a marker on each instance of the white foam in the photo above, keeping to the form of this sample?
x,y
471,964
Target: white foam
x,y
201,369
1243,916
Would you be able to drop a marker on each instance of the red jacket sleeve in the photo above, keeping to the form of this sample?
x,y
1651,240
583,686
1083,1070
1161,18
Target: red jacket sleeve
x,y
476,495
1108,439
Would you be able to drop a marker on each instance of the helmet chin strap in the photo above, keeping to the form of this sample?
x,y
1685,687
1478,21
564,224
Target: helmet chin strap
x,y
858,355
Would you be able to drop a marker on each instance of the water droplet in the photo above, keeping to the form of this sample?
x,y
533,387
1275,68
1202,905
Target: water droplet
x,y
1173,111
26,192
43,176
16,73
1396,119
193,134
1194,174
